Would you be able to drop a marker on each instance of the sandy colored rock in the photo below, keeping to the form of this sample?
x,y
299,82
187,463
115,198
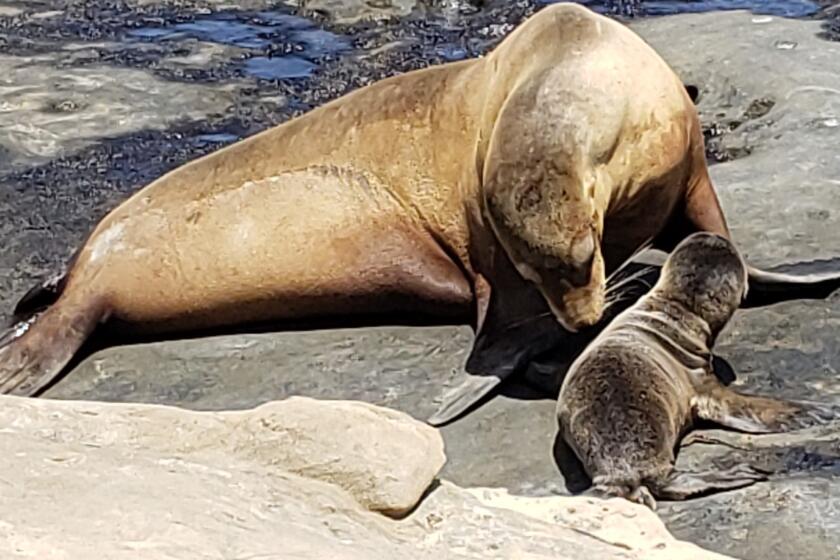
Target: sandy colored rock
x,y
114,481
384,458
616,520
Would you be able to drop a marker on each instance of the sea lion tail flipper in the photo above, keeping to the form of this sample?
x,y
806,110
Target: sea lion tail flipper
x,y
767,288
35,351
702,212
761,415
682,485
41,295
459,400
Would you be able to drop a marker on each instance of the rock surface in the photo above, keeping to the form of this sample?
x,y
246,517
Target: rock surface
x,y
85,480
381,457
351,11
781,82
50,110
771,85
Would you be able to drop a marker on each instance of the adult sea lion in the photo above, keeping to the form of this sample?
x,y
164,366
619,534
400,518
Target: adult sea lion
x,y
489,190
628,399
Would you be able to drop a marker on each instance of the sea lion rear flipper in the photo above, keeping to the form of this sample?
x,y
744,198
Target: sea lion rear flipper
x,y
702,212
45,293
682,485
463,397
41,295
767,288
761,415
34,352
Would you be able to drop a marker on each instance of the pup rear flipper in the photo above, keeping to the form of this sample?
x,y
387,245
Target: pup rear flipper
x,y
34,352
682,485
760,415
666,483
637,493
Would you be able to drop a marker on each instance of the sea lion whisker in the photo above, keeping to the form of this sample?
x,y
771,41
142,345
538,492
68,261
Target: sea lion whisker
x,y
635,276
527,320
608,304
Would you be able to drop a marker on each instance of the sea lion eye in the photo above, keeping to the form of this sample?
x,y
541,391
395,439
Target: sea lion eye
x,y
583,249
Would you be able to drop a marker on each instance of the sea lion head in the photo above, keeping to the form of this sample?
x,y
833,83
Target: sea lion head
x,y
706,274
553,238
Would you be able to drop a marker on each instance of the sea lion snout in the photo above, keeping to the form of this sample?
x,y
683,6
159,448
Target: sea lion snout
x,y
580,305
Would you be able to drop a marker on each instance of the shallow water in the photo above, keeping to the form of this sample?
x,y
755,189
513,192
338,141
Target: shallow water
x,y
284,46
293,43
786,8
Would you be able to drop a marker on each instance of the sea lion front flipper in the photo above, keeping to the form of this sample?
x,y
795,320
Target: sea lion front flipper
x,y
682,485
496,356
463,397
513,325
760,415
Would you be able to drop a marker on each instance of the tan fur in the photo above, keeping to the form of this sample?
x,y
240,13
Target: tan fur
x,y
356,196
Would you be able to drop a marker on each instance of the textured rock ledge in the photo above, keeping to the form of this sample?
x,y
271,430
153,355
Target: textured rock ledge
x,y
290,479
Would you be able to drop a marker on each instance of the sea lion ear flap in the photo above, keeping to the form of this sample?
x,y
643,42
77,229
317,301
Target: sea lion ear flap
x,y
692,91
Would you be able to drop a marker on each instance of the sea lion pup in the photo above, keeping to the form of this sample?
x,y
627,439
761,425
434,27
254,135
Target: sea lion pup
x,y
628,399
485,191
